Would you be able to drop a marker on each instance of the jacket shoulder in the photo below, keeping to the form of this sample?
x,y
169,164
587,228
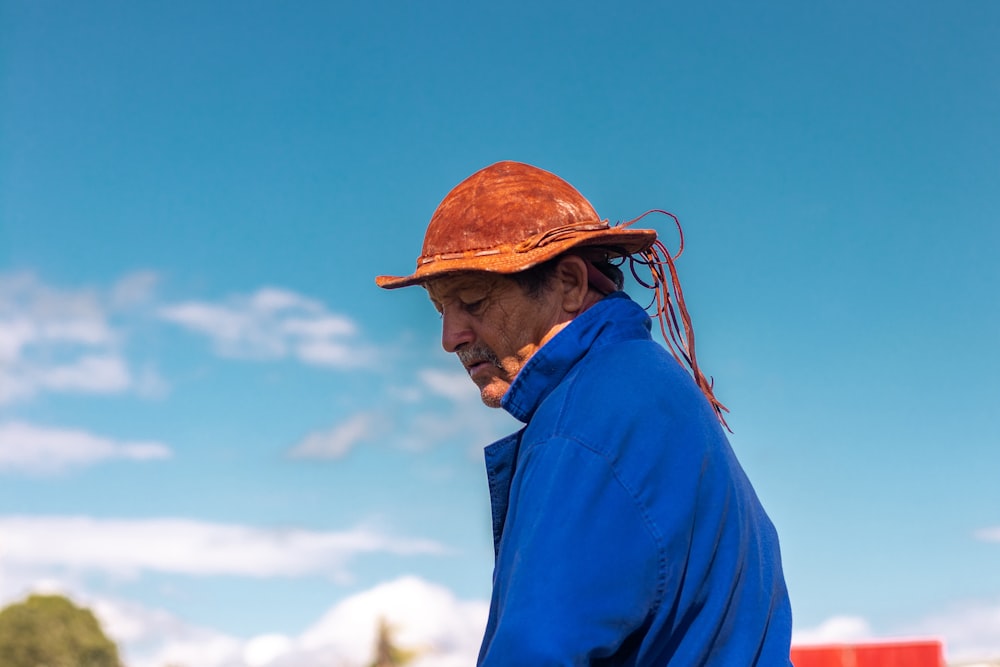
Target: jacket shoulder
x,y
631,390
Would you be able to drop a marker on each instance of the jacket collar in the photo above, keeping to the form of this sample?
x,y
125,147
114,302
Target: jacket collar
x,y
614,318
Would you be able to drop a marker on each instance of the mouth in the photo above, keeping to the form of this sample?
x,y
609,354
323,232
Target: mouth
x,y
477,367
477,360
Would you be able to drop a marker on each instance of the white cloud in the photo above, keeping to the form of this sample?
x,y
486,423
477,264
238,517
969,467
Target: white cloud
x,y
424,617
460,418
330,353
274,324
134,289
834,630
63,340
336,442
444,630
42,312
428,421
969,631
94,374
155,638
128,547
30,448
464,421
150,384
319,327
988,534
265,649
454,386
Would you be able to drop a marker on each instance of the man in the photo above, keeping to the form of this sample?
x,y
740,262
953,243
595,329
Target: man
x,y
625,531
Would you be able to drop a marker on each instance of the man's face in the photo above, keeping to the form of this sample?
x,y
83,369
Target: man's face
x,y
493,326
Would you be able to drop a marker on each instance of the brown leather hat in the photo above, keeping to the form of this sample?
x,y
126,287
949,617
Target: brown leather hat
x,y
509,217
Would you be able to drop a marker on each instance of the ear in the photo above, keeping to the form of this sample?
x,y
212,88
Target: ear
x,y
571,281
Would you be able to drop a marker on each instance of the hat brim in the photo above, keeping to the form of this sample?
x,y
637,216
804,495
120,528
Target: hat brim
x,y
620,241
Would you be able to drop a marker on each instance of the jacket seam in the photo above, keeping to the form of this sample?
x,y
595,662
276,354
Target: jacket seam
x,y
647,519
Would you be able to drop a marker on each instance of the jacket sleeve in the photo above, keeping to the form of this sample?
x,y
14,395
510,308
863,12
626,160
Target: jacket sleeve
x,y
578,569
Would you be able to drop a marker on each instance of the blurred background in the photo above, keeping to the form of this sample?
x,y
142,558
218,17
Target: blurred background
x,y
218,435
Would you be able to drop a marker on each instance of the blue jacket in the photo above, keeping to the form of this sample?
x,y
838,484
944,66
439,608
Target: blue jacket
x,y
625,530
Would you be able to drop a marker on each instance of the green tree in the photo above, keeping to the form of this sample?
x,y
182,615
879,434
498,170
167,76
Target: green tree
x,y
387,654
51,631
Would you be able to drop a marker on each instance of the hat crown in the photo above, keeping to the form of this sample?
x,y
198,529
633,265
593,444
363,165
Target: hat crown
x,y
503,205
510,217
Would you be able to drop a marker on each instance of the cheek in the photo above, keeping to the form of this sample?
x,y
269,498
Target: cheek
x,y
509,343
514,351
514,332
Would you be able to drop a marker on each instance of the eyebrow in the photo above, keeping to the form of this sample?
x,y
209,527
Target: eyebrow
x,y
462,284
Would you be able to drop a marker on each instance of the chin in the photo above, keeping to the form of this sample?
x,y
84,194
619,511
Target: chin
x,y
490,400
492,395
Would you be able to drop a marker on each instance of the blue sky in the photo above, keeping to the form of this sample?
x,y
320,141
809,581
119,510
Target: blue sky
x,y
218,432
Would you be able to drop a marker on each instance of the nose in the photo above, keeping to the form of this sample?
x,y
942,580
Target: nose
x,y
455,329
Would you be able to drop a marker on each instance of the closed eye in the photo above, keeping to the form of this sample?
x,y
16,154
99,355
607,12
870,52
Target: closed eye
x,y
473,307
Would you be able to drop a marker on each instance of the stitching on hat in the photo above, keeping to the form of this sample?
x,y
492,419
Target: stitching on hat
x,y
558,233
539,240
536,242
464,254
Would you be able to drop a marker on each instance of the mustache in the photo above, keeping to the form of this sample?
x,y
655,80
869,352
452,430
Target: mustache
x,y
477,353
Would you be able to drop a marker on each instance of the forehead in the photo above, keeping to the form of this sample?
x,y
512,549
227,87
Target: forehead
x,y
480,283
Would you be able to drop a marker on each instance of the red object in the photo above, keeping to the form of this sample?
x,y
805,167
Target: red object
x,y
911,653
